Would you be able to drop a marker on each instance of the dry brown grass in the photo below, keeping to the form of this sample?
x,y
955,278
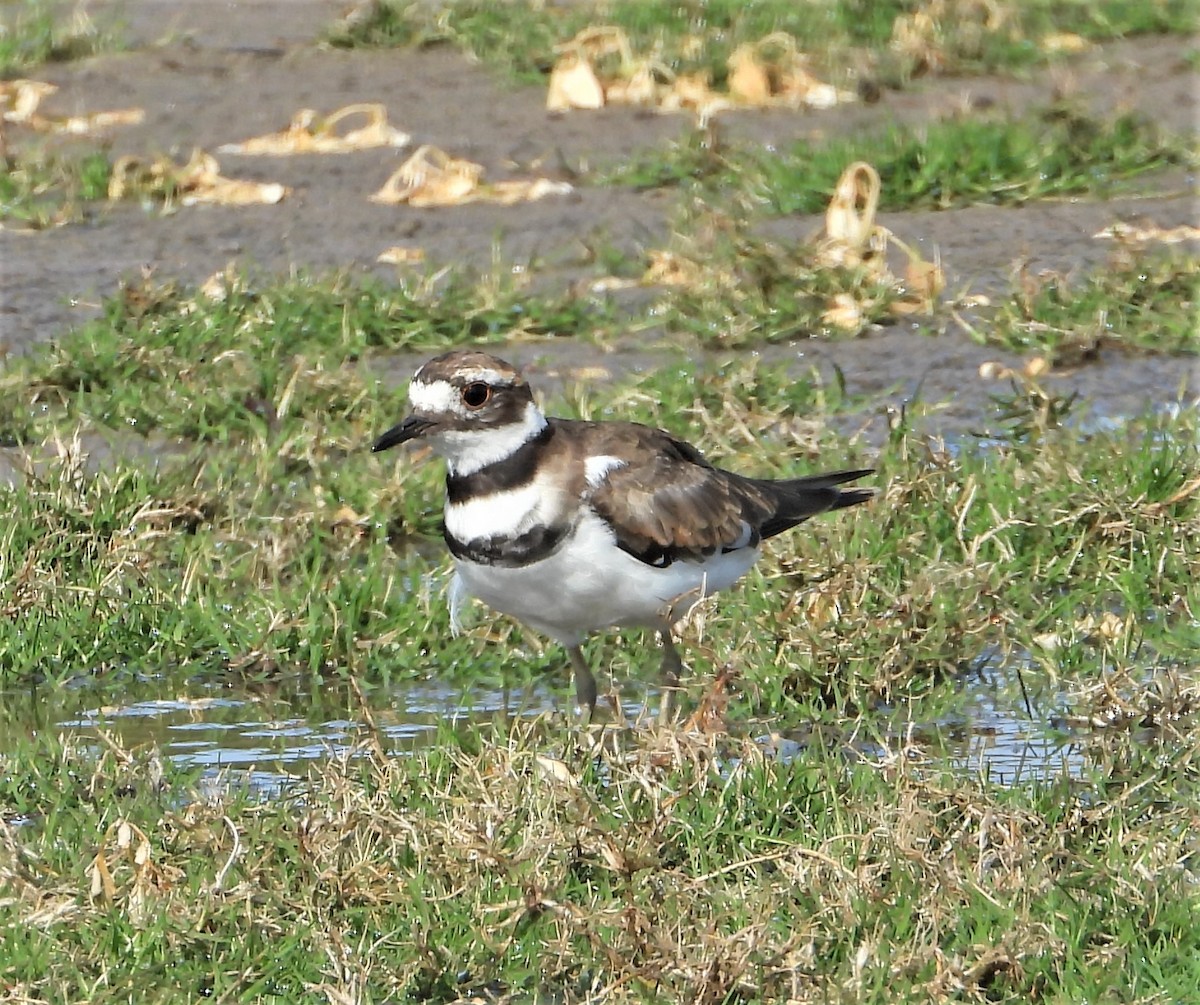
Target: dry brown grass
x,y
637,864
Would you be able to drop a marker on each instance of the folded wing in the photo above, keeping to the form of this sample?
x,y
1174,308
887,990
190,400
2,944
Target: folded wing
x,y
670,504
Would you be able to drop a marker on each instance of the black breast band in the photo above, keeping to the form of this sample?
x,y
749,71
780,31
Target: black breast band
x,y
534,545
512,472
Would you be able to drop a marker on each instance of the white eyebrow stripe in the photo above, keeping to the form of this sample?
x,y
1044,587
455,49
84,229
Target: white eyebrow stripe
x,y
442,396
489,376
597,467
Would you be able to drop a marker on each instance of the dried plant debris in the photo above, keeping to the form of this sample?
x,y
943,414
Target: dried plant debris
x,y
851,234
670,268
20,100
433,178
940,36
1164,700
923,37
856,284
1148,232
124,872
1104,629
1064,43
573,81
598,67
398,254
1035,366
312,133
198,181
772,71
853,239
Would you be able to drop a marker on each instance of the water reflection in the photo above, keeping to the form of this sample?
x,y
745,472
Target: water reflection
x,y
981,723
1000,732
265,734
283,731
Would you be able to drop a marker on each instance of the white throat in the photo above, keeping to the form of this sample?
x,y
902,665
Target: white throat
x,y
469,450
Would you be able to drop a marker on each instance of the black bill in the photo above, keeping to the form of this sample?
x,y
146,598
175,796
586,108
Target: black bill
x,y
409,429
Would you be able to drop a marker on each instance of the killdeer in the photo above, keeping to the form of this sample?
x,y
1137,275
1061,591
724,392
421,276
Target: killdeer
x,y
572,526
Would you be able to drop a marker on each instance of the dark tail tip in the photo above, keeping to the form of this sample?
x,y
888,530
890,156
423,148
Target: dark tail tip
x,y
852,497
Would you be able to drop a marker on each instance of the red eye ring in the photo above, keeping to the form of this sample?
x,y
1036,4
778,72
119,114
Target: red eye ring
x,y
476,395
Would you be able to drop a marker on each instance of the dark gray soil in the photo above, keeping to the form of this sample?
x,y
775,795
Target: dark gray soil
x,y
212,73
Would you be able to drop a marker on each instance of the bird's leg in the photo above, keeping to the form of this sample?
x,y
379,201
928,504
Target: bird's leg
x,y
585,683
672,665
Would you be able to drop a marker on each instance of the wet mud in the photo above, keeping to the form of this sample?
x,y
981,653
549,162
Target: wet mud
x,y
208,74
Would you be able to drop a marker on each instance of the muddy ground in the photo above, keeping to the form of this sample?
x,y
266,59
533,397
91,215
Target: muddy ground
x,y
212,73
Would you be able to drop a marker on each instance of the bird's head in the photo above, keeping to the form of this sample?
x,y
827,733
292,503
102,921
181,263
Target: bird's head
x,y
472,408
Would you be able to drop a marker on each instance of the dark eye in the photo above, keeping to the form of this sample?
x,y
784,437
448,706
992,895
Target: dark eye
x,y
476,395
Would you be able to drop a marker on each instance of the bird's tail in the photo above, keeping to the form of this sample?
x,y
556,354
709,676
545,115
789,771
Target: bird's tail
x,y
802,498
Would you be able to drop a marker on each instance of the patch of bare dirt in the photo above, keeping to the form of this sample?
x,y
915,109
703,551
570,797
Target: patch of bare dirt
x,y
209,74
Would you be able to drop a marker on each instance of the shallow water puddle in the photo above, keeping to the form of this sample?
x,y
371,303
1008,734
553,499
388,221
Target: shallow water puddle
x,y
270,738
993,734
267,735
980,726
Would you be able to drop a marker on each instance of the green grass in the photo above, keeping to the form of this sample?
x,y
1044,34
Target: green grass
x,y
33,32
978,38
1108,19
1148,304
520,37
959,162
173,362
659,866
267,550
40,190
262,405
747,289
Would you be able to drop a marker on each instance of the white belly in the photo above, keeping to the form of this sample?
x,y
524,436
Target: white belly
x,y
589,583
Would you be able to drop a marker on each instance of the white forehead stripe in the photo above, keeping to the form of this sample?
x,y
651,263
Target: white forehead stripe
x,y
442,396
435,397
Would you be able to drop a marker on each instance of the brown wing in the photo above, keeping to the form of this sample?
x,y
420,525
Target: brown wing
x,y
668,502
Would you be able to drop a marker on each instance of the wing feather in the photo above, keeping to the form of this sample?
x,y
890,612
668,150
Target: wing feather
x,y
666,502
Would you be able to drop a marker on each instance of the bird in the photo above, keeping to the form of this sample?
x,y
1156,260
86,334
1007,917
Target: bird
x,y
573,526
